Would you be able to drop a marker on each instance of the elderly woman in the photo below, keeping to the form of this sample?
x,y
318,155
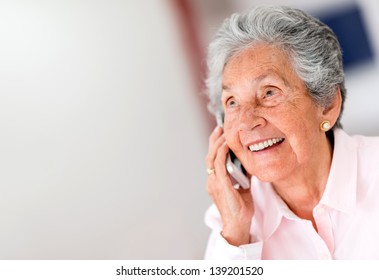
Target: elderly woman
x,y
276,75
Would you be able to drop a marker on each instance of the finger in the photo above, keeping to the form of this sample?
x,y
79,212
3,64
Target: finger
x,y
220,176
212,152
216,133
220,160
213,145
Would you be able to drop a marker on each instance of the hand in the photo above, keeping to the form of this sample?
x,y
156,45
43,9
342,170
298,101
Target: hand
x,y
235,206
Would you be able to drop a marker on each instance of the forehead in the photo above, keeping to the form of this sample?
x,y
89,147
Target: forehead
x,y
258,62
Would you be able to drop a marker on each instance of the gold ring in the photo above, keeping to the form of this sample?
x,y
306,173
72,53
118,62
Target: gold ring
x,y
210,171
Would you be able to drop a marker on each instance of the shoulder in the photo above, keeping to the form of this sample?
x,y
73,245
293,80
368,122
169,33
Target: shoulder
x,y
367,149
356,162
357,153
365,145
366,142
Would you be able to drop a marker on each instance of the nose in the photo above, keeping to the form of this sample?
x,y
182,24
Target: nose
x,y
250,118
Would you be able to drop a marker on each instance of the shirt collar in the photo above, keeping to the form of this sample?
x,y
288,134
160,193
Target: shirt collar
x,y
270,208
340,190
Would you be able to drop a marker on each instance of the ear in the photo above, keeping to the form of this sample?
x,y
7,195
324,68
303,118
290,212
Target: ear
x,y
332,112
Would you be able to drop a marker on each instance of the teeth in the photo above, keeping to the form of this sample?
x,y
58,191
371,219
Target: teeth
x,y
264,144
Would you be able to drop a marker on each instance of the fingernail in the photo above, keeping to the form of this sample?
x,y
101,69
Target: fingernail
x,y
218,128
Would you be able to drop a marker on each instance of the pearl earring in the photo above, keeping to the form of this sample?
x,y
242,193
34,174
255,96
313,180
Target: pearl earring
x,y
325,125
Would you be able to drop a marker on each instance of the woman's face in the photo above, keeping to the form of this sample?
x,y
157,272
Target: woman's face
x,y
271,123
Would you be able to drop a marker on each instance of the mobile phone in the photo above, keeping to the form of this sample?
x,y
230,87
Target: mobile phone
x,y
237,172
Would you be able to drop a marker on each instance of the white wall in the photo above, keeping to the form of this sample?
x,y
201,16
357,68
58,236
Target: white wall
x,y
102,142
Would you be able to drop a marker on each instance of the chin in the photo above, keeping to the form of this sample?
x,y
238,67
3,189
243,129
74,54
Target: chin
x,y
272,171
269,175
267,179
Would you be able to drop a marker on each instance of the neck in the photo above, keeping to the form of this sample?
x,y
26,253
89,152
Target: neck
x,y
303,189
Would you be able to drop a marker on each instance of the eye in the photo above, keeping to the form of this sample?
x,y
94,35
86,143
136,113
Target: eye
x,y
231,103
269,93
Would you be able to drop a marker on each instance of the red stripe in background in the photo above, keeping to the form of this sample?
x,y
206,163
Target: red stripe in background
x,y
195,53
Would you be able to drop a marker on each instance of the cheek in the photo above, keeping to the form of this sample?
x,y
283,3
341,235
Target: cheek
x,y
302,137
229,136
231,131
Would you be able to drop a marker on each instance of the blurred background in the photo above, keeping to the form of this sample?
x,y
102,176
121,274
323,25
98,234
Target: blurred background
x,y
104,127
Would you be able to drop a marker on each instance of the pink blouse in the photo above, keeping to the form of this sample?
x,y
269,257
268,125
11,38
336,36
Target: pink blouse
x,y
347,215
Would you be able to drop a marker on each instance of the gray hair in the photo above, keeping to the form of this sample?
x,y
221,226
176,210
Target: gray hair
x,y
312,46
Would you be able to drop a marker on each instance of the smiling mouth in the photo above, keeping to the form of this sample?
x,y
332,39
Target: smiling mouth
x,y
265,144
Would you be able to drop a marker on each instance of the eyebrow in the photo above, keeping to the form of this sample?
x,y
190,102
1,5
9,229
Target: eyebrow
x,y
257,79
